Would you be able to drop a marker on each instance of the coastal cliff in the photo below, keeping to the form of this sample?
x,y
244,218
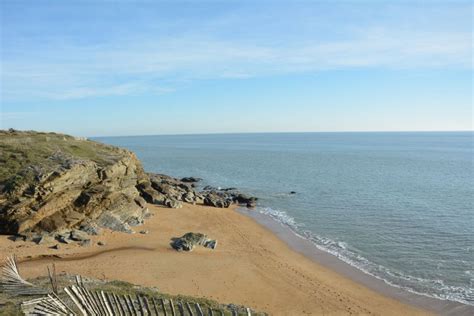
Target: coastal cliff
x,y
52,183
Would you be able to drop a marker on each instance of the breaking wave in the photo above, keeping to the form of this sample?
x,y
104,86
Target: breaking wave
x,y
427,287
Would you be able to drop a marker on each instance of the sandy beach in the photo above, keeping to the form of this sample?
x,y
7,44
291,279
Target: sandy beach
x,y
250,266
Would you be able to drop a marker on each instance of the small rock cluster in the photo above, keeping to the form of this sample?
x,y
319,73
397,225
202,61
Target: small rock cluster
x,y
172,192
224,198
188,241
79,236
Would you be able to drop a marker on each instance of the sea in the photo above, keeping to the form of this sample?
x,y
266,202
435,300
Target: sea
x,y
396,205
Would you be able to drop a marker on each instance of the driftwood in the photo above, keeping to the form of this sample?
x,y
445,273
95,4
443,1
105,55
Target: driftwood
x,y
11,281
48,305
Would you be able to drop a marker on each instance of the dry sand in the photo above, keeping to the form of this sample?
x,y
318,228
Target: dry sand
x,y
250,266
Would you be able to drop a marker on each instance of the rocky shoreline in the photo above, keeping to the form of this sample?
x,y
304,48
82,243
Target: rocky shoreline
x,y
58,187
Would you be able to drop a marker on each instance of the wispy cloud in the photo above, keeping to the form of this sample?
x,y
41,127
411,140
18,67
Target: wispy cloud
x,y
148,63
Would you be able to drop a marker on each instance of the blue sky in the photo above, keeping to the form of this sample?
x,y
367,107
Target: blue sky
x,y
97,68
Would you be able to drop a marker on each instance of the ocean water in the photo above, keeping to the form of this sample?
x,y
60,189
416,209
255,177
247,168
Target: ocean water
x,y
398,206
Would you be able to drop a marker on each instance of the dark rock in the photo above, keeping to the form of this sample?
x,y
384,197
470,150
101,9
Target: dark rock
x,y
32,237
212,244
79,235
188,241
90,228
55,247
101,243
229,189
17,238
144,232
216,200
64,238
293,192
191,179
244,199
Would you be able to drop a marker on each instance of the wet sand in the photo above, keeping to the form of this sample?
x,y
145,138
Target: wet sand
x,y
251,265
307,248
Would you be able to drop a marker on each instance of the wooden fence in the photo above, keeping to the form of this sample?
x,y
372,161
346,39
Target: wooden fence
x,y
87,302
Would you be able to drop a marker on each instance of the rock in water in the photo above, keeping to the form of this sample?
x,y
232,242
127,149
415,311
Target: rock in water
x,y
188,241
51,182
190,179
217,200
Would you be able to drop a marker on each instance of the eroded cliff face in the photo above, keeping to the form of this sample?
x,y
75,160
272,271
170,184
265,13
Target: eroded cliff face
x,y
59,189
51,184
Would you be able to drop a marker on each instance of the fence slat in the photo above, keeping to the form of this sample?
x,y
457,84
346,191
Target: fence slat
x,y
199,310
135,312
163,305
107,306
188,307
75,300
155,307
180,308
173,311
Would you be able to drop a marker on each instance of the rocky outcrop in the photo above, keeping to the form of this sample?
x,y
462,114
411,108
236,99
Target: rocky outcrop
x,y
70,183
171,192
188,241
224,198
52,184
165,190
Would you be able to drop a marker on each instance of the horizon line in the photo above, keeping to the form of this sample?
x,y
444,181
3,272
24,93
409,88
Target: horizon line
x,y
295,132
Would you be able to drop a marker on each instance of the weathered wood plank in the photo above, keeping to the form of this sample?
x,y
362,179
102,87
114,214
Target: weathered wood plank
x,y
147,305
173,311
75,300
95,297
107,305
180,308
188,307
155,306
140,306
119,305
163,306
127,303
111,301
199,310
135,311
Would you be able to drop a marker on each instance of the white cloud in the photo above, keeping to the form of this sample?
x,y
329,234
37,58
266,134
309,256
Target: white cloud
x,y
146,64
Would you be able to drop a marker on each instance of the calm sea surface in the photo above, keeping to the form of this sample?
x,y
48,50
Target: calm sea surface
x,y
399,206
